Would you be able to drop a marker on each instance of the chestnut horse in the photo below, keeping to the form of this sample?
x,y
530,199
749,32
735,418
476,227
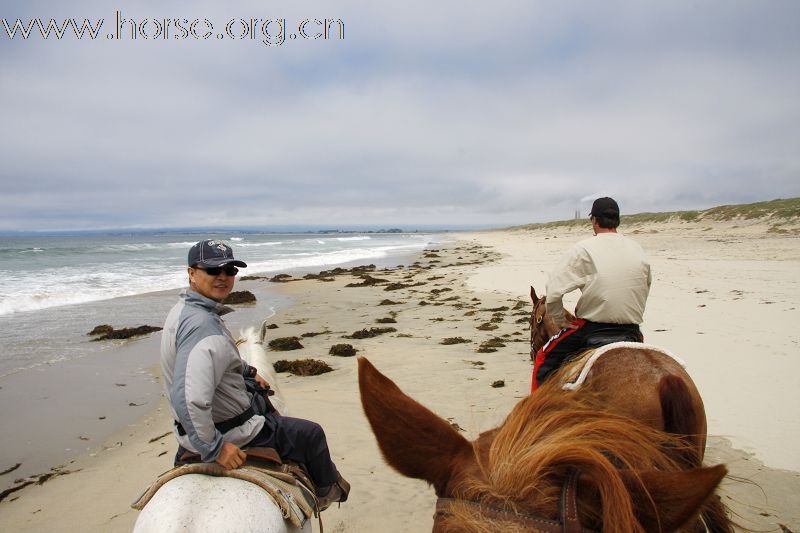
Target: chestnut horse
x,y
561,461
636,380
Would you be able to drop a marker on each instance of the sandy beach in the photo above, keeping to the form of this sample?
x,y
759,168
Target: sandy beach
x,y
725,298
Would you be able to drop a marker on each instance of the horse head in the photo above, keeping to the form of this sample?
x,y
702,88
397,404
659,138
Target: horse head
x,y
512,477
541,325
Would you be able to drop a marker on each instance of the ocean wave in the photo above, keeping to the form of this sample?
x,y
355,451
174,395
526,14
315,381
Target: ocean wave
x,y
57,290
356,238
335,257
258,244
182,245
138,247
73,275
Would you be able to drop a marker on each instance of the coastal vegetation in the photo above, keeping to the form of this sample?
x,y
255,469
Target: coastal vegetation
x,y
775,211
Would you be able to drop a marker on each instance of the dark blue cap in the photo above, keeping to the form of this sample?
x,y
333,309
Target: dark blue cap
x,y
213,253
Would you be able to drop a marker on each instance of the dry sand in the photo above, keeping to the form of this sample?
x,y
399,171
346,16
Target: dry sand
x,y
724,298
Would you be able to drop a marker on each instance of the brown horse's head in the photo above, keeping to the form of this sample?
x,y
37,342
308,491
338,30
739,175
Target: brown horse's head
x,y
542,326
627,482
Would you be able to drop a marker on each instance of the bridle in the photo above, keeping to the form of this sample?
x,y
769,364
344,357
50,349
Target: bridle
x,y
535,327
568,521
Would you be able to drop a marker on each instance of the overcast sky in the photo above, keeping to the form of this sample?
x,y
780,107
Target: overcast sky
x,y
444,113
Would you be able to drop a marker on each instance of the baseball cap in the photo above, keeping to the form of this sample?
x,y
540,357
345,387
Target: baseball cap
x,y
213,253
604,206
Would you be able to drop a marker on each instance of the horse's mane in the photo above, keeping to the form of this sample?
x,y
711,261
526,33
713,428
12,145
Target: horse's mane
x,y
544,436
251,347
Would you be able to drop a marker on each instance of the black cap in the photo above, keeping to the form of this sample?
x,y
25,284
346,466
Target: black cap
x,y
211,253
604,207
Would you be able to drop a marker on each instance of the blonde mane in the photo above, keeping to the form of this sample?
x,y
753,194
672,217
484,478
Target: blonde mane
x,y
633,475
545,435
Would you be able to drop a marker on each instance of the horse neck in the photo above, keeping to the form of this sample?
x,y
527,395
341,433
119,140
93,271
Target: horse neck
x,y
550,327
252,351
547,430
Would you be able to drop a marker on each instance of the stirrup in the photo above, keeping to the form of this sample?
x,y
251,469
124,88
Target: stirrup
x,y
338,493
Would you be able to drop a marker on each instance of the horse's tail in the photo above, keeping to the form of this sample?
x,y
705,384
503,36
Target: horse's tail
x,y
680,418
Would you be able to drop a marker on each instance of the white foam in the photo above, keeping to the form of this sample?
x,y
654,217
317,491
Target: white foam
x,y
56,289
101,271
357,238
258,244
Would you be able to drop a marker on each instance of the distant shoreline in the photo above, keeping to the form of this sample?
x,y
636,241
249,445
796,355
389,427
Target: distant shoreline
x,y
778,210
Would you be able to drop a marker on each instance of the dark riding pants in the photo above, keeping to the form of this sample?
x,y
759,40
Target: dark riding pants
x,y
301,441
570,342
298,440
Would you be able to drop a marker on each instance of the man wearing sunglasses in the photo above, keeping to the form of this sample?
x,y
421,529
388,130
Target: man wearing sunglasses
x,y
204,381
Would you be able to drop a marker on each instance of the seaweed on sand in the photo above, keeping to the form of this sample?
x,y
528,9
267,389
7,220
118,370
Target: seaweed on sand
x,y
303,367
283,344
368,333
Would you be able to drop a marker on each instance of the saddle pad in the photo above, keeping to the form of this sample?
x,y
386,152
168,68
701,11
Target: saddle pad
x,y
295,501
578,376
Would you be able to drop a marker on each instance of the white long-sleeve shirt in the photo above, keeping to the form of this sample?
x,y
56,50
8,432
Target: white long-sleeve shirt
x,y
613,275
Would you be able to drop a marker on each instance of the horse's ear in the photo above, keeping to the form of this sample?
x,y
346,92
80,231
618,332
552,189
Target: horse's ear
x,y
664,501
413,440
534,298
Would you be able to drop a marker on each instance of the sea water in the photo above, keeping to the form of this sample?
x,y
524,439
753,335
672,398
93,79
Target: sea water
x,y
57,288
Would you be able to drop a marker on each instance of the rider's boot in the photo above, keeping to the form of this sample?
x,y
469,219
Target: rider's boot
x,y
337,492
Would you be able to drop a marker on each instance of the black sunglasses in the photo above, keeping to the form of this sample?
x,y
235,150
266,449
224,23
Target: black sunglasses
x,y
229,270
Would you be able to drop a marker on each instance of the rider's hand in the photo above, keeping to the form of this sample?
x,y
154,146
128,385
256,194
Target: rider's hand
x,y
568,324
261,381
231,456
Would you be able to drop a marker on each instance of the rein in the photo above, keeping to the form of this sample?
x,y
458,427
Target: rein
x,y
534,326
568,511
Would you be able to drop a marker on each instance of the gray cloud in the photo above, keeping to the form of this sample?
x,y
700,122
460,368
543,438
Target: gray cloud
x,y
449,114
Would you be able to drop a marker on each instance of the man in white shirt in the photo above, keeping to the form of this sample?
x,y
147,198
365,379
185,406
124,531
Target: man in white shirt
x,y
613,275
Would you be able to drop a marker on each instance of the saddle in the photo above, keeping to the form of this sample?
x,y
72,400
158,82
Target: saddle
x,y
601,338
581,364
288,484
599,334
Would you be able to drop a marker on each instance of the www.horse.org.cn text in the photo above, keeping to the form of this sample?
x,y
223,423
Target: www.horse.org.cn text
x,y
268,31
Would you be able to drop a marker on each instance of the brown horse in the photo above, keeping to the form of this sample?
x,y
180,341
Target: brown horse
x,y
562,461
638,381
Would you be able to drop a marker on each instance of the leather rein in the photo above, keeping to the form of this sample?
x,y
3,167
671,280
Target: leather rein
x,y
568,511
534,327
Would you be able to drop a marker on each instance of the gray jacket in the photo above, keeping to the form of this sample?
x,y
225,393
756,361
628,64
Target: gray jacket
x,y
203,376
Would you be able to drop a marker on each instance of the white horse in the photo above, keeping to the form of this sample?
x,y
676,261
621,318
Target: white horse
x,y
209,504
